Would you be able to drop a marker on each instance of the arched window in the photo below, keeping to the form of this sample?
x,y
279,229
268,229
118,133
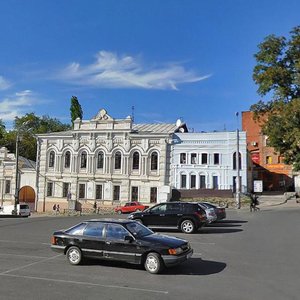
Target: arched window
x,y
51,159
67,159
234,161
100,160
136,161
118,158
83,160
154,161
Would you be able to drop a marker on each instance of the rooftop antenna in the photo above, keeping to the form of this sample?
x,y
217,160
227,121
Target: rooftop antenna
x,y
132,113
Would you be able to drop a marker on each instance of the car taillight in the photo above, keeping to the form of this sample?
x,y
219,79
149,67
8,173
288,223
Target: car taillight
x,y
53,240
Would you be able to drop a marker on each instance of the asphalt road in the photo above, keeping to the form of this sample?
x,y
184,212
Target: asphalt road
x,y
248,256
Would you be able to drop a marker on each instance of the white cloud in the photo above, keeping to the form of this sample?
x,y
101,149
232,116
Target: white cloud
x,y
4,83
16,105
110,70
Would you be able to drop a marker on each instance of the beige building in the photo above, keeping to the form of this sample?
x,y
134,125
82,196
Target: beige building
x,y
104,159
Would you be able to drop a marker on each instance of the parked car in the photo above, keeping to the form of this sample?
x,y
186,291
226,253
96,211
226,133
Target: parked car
x,y
122,240
186,216
130,207
210,212
220,211
23,210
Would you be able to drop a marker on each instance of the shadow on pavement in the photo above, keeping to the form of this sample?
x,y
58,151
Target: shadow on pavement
x,y
196,266
215,230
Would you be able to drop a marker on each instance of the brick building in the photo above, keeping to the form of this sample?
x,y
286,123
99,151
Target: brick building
x,y
266,164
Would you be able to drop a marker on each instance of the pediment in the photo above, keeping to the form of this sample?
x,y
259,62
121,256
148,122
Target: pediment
x,y
102,115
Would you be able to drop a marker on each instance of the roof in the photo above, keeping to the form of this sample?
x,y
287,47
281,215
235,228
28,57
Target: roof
x,y
117,221
155,128
26,163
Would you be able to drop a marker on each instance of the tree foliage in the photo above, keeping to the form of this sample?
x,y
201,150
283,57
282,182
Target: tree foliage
x,y
75,109
277,75
28,126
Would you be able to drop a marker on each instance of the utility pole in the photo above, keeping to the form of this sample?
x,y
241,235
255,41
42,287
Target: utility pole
x,y
15,212
238,167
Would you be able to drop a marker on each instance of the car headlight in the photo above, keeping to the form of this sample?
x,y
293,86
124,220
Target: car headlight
x,y
175,251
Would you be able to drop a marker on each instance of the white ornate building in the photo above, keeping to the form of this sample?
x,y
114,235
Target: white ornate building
x,y
104,159
208,160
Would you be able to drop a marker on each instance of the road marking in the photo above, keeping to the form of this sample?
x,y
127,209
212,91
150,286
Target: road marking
x,y
88,284
21,255
29,265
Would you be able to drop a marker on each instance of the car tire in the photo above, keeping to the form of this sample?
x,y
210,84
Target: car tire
x,y
187,226
153,263
74,255
119,212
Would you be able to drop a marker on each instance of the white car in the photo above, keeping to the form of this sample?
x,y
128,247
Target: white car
x,y
23,210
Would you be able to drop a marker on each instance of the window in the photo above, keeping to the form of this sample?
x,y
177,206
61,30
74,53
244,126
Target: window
x,y
67,159
83,160
116,195
99,190
100,160
183,158
193,158
118,158
204,158
49,189
81,191
116,232
269,160
234,161
193,181
7,186
65,189
136,161
183,181
216,158
51,159
215,182
94,229
153,195
159,208
202,182
154,161
134,193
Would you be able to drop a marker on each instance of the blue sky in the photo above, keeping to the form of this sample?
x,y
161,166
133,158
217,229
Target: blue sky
x,y
170,59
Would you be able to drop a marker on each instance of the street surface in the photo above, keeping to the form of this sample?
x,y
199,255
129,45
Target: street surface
x,y
247,256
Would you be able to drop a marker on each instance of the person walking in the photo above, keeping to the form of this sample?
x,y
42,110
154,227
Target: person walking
x,y
54,209
57,209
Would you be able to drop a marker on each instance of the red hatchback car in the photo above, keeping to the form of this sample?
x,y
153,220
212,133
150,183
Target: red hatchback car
x,y
130,207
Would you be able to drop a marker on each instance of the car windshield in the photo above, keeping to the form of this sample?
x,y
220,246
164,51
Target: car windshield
x,y
138,230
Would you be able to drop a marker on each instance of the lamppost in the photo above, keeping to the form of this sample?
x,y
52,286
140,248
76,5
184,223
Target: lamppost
x,y
238,167
15,211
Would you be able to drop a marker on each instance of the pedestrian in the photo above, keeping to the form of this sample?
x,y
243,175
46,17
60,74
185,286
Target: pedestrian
x,y
95,206
54,209
254,203
57,208
69,196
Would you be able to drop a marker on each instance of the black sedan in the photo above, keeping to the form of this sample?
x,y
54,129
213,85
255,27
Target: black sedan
x,y
122,240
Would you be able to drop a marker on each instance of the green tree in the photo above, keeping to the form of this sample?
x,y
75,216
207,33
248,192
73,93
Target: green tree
x,y
277,75
75,109
2,132
28,126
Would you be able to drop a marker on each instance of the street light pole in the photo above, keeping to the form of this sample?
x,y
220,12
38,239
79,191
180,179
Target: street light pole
x,y
17,176
238,167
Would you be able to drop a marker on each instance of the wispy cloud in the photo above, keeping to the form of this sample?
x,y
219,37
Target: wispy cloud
x,y
113,71
4,83
16,105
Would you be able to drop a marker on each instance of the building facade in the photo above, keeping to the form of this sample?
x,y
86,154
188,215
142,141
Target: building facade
x,y
104,159
27,179
266,164
208,160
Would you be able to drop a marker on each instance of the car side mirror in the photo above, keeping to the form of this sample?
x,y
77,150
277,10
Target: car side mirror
x,y
129,238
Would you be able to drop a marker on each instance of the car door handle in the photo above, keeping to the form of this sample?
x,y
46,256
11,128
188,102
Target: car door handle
x,y
108,242
179,215
162,215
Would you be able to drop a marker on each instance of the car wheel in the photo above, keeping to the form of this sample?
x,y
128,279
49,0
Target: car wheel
x,y
74,255
154,263
187,226
119,212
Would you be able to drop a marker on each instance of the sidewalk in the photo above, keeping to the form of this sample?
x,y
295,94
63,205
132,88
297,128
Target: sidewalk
x,y
276,200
